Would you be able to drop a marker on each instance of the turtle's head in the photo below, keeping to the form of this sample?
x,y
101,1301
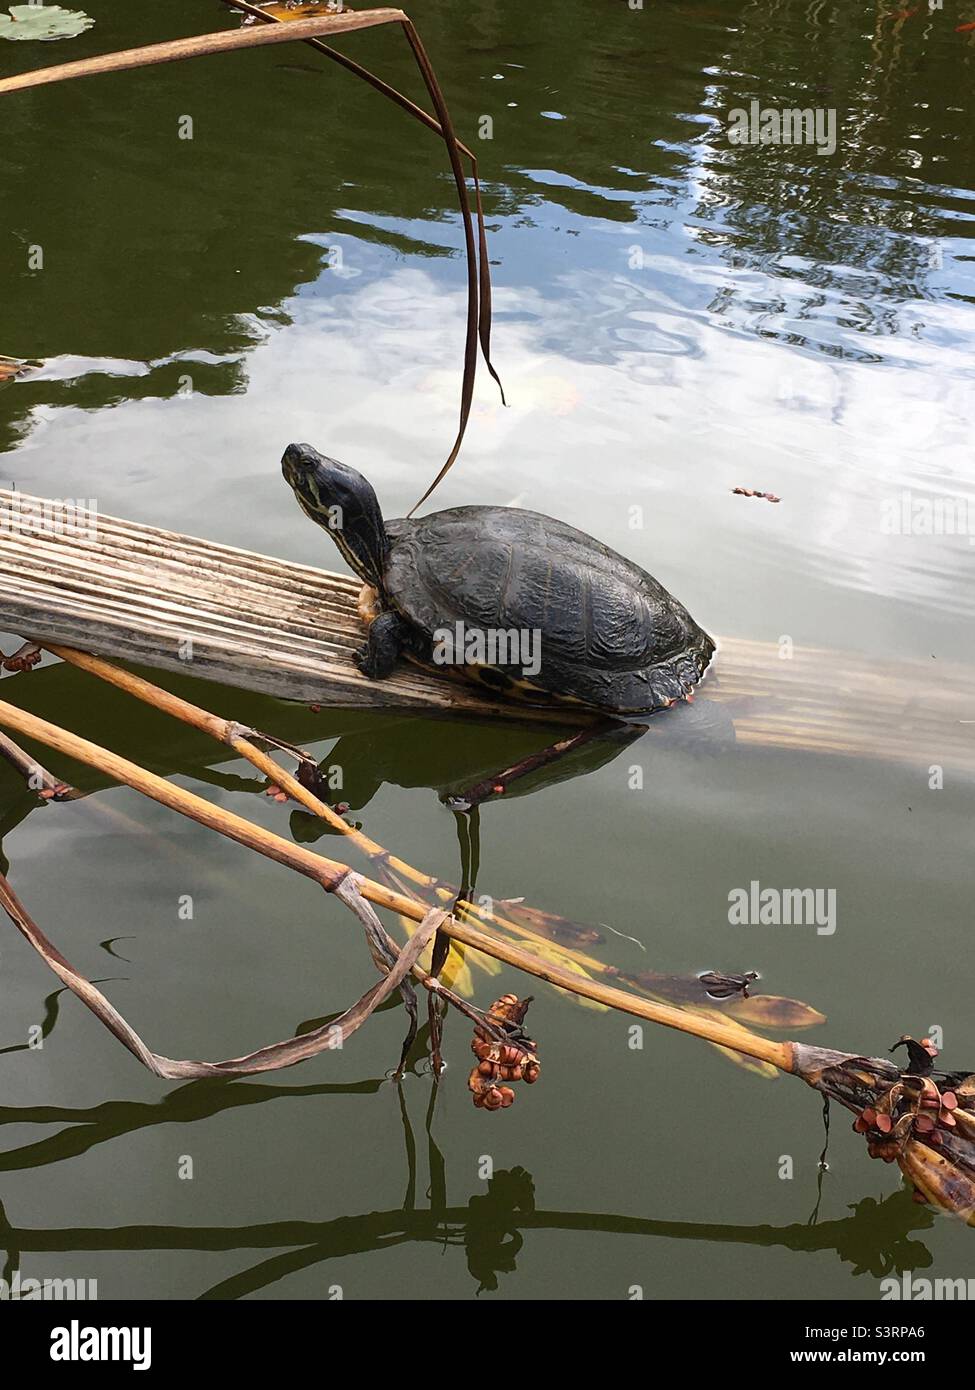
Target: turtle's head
x,y
341,500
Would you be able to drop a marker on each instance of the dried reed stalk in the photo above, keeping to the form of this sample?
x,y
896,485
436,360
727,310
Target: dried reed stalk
x,y
330,873
270,1058
394,873
935,1153
200,46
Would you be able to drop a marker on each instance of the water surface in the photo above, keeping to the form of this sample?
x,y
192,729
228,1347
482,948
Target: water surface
x,y
675,316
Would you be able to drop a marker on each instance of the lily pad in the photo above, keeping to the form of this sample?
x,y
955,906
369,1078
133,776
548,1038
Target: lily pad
x,y
44,22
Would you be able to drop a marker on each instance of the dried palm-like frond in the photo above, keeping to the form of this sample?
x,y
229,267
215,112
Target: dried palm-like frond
x,y
918,1118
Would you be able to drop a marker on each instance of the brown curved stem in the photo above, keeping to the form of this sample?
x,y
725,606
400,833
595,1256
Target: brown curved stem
x,y
270,1058
431,123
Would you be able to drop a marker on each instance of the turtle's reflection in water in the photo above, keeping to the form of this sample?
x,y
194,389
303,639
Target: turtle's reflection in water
x,y
422,753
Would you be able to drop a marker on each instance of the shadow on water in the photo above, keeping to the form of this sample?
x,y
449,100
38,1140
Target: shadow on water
x,y
492,1227
368,750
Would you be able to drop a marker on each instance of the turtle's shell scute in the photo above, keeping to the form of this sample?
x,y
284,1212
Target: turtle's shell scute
x,y
610,634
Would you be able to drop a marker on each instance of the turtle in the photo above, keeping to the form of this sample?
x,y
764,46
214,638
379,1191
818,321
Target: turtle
x,y
518,601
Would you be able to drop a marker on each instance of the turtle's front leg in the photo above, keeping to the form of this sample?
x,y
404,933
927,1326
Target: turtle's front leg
x,y
388,635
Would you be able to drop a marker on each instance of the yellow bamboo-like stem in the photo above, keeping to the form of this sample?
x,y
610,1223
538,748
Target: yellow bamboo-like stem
x,y
202,46
233,736
330,874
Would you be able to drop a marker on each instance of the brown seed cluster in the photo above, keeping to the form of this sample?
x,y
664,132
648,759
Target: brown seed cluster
x,y
913,1109
498,1062
23,662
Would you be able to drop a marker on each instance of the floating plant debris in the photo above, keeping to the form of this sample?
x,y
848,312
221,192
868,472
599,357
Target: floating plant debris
x,y
23,659
907,1118
751,492
13,367
292,9
43,22
926,1126
499,1063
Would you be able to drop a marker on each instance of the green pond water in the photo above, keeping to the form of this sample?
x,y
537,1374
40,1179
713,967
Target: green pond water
x,y
675,316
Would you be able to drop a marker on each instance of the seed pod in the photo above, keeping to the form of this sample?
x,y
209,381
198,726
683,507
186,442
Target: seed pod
x,y
943,1182
500,1060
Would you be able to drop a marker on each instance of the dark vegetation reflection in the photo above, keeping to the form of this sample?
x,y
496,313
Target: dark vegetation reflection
x,y
876,1239
841,244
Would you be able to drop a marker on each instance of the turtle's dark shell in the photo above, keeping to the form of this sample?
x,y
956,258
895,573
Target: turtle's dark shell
x,y
610,636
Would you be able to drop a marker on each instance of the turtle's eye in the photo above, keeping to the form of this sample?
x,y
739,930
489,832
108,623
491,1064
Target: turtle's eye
x,y
299,456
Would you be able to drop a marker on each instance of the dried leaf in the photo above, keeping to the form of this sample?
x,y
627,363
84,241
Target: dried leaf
x,y
276,1055
550,924
546,951
456,973
942,1182
750,1064
775,1011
